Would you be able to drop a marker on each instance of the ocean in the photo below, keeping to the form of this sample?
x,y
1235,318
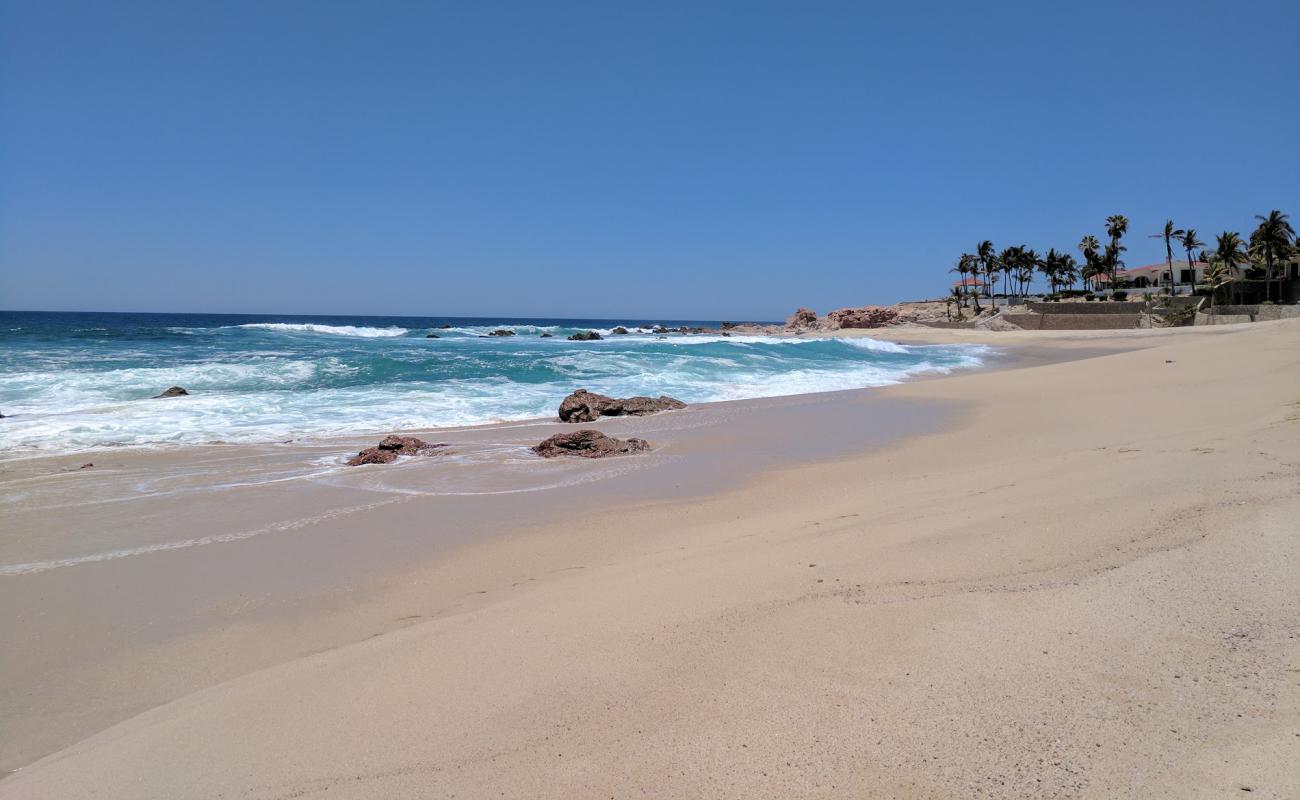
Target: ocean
x,y
73,382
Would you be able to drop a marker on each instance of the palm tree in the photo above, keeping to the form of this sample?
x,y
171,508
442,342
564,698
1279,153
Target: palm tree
x,y
1049,266
1190,245
1216,275
1230,252
1067,270
1116,227
1272,240
988,261
1024,276
1169,234
956,298
1089,246
969,265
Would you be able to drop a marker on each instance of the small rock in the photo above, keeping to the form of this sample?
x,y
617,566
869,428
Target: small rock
x,y
87,465
390,447
620,330
585,406
502,332
588,443
544,335
585,336
174,391
432,336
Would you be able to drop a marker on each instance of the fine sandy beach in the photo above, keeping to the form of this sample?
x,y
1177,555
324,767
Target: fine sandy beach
x,y
1074,577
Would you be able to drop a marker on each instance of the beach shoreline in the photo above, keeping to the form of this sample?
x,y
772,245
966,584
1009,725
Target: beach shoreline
x,y
563,562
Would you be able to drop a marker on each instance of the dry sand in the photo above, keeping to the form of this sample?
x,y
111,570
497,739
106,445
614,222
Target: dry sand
x,y
1084,586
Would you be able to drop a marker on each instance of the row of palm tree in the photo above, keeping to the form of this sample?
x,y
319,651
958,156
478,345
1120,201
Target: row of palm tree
x,y
1272,242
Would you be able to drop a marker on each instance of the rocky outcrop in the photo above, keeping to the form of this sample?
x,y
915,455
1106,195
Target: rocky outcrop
x,y
802,319
585,336
585,406
620,330
589,443
174,391
865,317
502,332
390,447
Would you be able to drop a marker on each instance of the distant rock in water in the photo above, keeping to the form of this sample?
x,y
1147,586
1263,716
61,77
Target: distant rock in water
x,y
175,391
544,335
432,336
589,443
585,336
620,330
502,332
444,326
390,447
585,406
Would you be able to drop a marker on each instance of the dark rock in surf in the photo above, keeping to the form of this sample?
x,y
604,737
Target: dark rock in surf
x,y
620,330
432,336
589,444
585,406
544,335
502,332
390,447
585,336
174,391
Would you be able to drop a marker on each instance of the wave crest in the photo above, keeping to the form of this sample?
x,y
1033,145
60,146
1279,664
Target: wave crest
x,y
332,330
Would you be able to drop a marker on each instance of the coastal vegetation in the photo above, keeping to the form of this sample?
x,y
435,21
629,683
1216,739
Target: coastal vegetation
x,y
1261,257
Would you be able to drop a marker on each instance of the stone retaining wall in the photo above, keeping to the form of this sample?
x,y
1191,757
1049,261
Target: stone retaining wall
x,y
1074,322
1087,309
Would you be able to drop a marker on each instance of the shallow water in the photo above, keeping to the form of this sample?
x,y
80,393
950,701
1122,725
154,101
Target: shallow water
x,y
73,382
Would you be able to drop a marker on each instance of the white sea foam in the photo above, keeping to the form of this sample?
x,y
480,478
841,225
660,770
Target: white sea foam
x,y
332,330
280,394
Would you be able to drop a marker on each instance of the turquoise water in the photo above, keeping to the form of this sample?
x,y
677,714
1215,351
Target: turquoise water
x,y
72,382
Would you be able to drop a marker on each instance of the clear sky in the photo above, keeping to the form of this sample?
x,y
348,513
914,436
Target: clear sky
x,y
605,159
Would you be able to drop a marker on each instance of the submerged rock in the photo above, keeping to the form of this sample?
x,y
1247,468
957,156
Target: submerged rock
x,y
544,335
585,406
432,336
585,336
174,391
589,443
390,447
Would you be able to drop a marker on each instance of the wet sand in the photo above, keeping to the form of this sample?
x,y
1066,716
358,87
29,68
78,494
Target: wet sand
x,y
1066,579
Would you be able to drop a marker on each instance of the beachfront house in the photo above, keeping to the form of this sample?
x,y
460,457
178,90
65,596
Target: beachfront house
x,y
1156,276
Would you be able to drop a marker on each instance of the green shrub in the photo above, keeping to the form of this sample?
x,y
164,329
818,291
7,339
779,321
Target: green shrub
x,y
1119,295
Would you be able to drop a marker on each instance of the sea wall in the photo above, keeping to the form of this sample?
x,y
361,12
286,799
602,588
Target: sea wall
x,y
1074,322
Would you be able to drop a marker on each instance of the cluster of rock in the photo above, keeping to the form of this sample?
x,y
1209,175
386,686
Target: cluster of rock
x,y
585,406
589,443
390,447
865,317
585,336
502,332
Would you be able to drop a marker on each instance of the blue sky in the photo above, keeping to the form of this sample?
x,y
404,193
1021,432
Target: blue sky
x,y
606,159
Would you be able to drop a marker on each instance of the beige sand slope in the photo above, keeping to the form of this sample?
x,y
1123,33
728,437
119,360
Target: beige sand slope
x,y
1089,588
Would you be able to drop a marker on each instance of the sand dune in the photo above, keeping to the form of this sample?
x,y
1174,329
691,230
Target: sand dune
x,y
1086,587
